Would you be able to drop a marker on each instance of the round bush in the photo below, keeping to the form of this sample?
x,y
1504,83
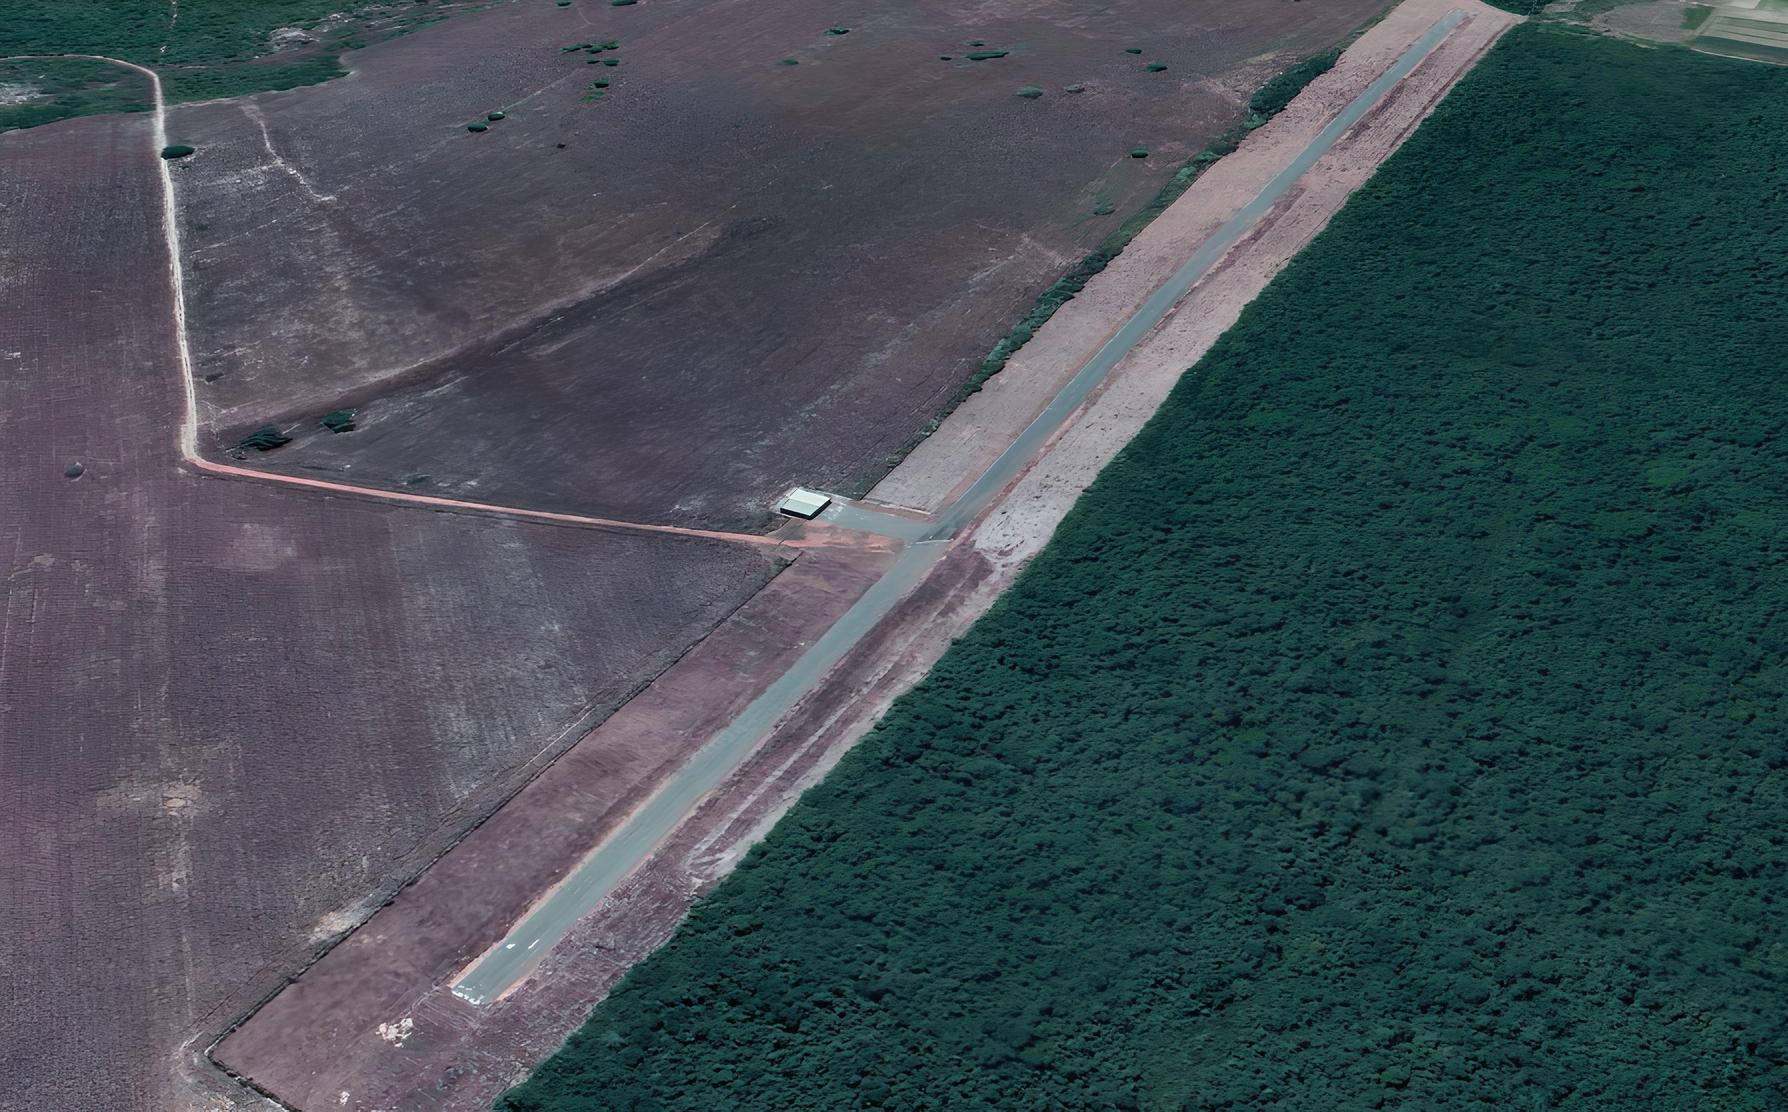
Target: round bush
x,y
478,125
494,116
1132,50
175,150
1139,152
1030,92
1156,67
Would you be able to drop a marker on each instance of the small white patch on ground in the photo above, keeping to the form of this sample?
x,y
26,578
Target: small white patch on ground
x,y
395,1033
18,93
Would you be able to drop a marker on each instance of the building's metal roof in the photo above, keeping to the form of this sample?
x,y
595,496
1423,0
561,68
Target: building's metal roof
x,y
801,502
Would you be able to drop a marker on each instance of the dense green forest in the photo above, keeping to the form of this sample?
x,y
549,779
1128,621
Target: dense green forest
x,y
205,48
1397,723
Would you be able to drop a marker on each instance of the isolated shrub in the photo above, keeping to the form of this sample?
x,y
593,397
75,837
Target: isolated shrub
x,y
176,150
599,83
622,3
342,420
790,62
838,30
477,125
494,116
611,61
1132,50
264,439
609,44
985,55
1139,152
74,470
1030,92
1155,67
975,42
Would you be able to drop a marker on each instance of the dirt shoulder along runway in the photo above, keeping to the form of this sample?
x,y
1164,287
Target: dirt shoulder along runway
x,y
447,1033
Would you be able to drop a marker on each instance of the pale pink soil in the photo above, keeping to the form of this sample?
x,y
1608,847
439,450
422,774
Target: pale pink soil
x,y
235,717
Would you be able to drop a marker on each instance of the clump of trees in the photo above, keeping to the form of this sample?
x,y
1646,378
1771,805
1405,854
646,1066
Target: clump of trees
x,y
1396,723
1270,99
265,439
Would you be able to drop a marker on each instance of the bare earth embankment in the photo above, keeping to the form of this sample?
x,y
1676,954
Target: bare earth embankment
x,y
236,717
321,1039
726,275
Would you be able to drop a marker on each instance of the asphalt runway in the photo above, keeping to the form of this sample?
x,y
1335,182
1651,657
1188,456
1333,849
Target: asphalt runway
x,y
611,862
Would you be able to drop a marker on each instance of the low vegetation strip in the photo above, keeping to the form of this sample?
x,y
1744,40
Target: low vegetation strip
x,y
1394,724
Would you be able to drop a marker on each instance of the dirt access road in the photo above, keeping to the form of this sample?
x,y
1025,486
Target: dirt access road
x,y
328,1040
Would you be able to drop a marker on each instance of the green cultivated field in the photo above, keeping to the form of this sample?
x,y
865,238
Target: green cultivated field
x,y
1398,723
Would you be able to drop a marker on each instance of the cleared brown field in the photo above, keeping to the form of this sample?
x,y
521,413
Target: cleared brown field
x,y
727,275
233,717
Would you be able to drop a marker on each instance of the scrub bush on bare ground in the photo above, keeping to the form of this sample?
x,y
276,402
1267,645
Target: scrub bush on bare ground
x,y
1397,723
